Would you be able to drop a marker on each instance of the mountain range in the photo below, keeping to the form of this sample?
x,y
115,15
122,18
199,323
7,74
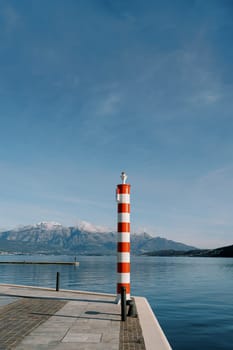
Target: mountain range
x,y
53,238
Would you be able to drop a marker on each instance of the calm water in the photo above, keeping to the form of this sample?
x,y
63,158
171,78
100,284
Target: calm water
x,y
191,297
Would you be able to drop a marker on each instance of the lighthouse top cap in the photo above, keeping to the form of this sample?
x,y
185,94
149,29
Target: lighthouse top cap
x,y
123,177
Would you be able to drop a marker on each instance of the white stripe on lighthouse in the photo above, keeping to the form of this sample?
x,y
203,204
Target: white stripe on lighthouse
x,y
123,277
123,198
123,217
123,237
123,257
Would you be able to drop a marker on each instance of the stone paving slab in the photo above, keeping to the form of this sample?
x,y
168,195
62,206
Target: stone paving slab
x,y
19,318
6,300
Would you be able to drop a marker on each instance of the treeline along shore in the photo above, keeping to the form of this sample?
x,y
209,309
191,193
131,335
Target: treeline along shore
x,y
223,252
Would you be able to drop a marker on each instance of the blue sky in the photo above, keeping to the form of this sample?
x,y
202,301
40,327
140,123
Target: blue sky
x,y
89,88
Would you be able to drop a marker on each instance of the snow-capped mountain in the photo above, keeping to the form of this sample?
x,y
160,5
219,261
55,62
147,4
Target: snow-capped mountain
x,y
82,239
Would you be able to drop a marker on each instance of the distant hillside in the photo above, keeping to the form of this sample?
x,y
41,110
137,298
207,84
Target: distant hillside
x,y
223,252
57,239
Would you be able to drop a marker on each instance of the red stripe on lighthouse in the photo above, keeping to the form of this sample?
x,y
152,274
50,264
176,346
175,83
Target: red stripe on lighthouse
x,y
123,247
123,267
126,285
123,227
123,208
123,188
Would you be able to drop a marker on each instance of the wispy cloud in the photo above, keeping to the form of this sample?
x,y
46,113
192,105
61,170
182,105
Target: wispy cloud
x,y
101,113
15,213
216,174
207,97
87,226
108,104
11,18
73,200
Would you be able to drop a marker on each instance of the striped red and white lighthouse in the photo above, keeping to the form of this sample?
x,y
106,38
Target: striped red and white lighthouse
x,y
123,237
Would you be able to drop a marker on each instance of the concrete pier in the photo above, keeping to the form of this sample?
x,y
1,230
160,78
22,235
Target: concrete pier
x,y
41,318
75,263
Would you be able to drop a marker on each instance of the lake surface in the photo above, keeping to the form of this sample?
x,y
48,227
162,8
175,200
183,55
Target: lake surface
x,y
191,297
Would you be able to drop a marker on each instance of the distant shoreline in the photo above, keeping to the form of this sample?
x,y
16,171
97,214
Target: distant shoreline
x,y
223,252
